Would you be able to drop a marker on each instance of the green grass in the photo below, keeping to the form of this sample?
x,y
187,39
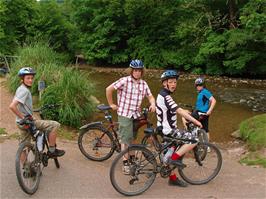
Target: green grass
x,y
254,160
3,131
253,131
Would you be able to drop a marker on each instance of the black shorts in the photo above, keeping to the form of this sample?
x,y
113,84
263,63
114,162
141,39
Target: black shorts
x,y
204,121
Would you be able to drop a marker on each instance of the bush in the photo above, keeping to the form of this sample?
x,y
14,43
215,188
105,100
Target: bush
x,y
64,86
253,131
72,91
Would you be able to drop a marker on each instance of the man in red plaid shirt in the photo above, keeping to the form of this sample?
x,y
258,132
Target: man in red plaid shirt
x,y
131,90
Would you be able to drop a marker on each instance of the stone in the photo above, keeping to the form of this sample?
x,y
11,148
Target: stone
x,y
242,101
236,134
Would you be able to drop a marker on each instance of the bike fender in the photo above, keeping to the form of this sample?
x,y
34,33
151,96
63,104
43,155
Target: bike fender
x,y
91,124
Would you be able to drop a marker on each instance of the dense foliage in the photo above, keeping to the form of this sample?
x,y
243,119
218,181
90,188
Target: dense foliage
x,y
199,36
65,86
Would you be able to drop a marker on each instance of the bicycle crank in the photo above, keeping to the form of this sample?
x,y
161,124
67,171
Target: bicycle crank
x,y
165,171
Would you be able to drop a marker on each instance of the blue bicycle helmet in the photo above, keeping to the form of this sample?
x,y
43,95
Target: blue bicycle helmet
x,y
169,74
26,71
136,64
199,81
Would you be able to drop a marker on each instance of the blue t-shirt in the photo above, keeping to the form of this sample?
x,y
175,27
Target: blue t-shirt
x,y
203,100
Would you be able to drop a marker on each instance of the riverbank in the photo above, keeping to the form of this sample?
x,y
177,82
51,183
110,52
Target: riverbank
x,y
247,92
157,72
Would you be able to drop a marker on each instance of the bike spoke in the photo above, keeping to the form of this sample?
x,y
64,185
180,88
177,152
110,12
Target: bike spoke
x,y
96,144
141,173
27,171
202,170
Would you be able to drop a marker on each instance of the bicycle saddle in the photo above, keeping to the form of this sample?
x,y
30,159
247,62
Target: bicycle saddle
x,y
103,107
149,131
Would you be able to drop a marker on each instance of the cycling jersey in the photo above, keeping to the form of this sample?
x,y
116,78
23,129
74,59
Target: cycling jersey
x,y
166,111
203,100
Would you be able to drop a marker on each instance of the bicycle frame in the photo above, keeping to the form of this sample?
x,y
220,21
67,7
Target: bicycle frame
x,y
169,142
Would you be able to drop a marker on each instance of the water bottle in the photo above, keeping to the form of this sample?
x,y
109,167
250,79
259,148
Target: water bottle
x,y
40,142
168,154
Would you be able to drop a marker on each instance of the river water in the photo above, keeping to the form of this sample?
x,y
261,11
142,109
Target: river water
x,y
227,114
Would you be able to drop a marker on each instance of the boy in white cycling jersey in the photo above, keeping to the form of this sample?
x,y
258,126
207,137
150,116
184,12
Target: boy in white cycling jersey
x,y
166,111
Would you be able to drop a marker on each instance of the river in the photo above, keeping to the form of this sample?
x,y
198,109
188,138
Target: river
x,y
227,114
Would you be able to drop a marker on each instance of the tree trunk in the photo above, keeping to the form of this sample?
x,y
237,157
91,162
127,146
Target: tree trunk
x,y
232,14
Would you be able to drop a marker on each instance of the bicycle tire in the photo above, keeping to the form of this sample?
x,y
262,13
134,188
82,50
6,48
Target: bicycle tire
x,y
203,138
197,174
26,172
202,135
142,171
90,150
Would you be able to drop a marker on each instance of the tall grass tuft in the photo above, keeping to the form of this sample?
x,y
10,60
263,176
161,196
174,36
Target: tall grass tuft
x,y
65,86
40,57
72,91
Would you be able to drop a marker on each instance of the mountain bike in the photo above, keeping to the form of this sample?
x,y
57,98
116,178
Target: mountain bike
x,y
99,140
147,164
154,139
32,157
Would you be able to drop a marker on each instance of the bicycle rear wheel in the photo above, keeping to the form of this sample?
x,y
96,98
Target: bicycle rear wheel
x,y
200,171
96,143
27,169
141,173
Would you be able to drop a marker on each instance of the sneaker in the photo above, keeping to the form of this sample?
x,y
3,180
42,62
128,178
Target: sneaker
x,y
208,149
126,169
56,153
177,182
177,163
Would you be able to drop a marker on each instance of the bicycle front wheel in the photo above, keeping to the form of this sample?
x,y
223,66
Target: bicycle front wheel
x,y
203,138
96,143
200,171
139,173
27,169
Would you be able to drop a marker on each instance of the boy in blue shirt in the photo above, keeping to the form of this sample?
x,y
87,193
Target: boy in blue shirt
x,y
205,104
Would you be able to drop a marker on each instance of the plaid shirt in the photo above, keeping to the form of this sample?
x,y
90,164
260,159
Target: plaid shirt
x,y
130,94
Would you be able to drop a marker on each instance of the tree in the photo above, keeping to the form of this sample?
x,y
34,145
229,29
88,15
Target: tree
x,y
16,21
103,30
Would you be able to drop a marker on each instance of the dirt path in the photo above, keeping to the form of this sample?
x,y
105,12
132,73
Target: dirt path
x,y
81,178
7,119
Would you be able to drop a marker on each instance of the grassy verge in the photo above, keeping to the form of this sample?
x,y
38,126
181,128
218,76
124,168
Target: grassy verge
x,y
253,131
